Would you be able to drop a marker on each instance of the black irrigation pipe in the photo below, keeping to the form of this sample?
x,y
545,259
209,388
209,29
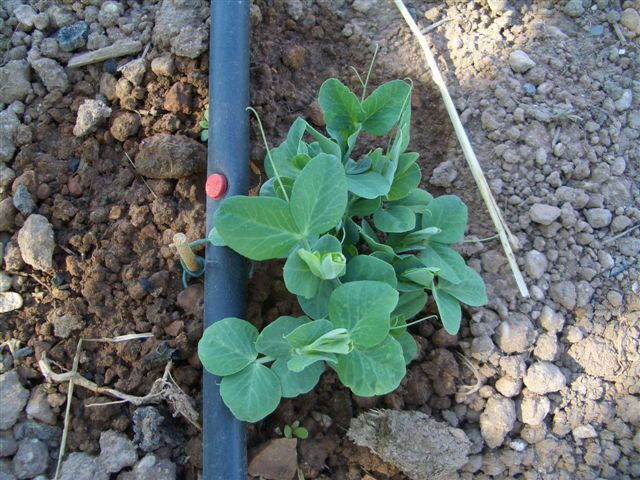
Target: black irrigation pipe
x,y
223,437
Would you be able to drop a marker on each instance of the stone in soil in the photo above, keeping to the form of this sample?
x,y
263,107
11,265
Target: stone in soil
x,y
515,335
125,125
564,293
51,73
415,443
14,399
520,62
294,57
15,81
173,18
73,37
497,420
444,174
82,466
22,200
36,242
276,459
91,114
147,428
544,377
544,214
116,451
8,444
10,301
134,71
38,407
533,409
597,356
151,467
178,98
191,42
7,215
163,65
535,264
65,324
9,125
165,156
551,321
31,459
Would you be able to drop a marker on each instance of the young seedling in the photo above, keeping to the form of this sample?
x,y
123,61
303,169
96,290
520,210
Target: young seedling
x,y
204,125
364,247
295,430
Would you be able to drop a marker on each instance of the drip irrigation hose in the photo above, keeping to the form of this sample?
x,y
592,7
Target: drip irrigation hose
x,y
223,437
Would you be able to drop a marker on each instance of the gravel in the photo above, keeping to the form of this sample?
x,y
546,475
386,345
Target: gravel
x,y
544,377
14,399
37,243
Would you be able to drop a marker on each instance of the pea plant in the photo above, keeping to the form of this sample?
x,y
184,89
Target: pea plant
x,y
364,247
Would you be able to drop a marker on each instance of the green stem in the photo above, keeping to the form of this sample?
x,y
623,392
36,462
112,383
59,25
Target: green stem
x,y
264,360
415,322
266,146
486,239
366,82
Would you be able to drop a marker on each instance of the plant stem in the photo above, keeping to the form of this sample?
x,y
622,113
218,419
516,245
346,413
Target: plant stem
x,y
415,322
266,146
366,82
263,360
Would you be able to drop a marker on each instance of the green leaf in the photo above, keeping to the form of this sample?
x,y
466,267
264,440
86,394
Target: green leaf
x,y
404,183
374,371
370,238
410,304
306,334
271,341
448,262
318,306
394,219
319,195
297,383
368,184
259,228
417,200
363,207
363,308
251,394
298,363
421,276
449,309
448,213
288,432
366,267
300,160
409,346
298,277
384,106
301,432
405,160
326,145
215,238
470,290
283,154
227,346
341,108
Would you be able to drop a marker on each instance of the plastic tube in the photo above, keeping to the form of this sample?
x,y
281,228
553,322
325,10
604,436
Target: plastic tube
x,y
223,437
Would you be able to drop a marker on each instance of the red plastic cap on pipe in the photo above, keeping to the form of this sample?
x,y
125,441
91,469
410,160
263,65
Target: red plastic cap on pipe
x,y
216,186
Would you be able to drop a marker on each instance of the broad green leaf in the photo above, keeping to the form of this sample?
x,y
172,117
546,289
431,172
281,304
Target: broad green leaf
x,y
404,131
333,265
301,432
363,308
341,108
227,346
398,326
417,200
448,213
374,371
298,277
470,290
215,238
351,142
404,183
410,304
351,234
307,333
326,145
298,363
318,306
368,184
300,160
363,207
419,238
448,262
297,383
355,168
366,267
409,346
319,195
251,394
384,106
260,228
282,188
370,238
405,160
394,219
449,309
337,341
284,153
422,276
271,341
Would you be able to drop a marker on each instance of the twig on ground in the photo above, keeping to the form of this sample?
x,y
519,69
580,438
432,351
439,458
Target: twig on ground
x,y
141,177
507,239
469,389
618,31
621,234
435,25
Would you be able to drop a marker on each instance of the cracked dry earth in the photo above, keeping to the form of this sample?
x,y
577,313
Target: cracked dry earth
x,y
543,387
